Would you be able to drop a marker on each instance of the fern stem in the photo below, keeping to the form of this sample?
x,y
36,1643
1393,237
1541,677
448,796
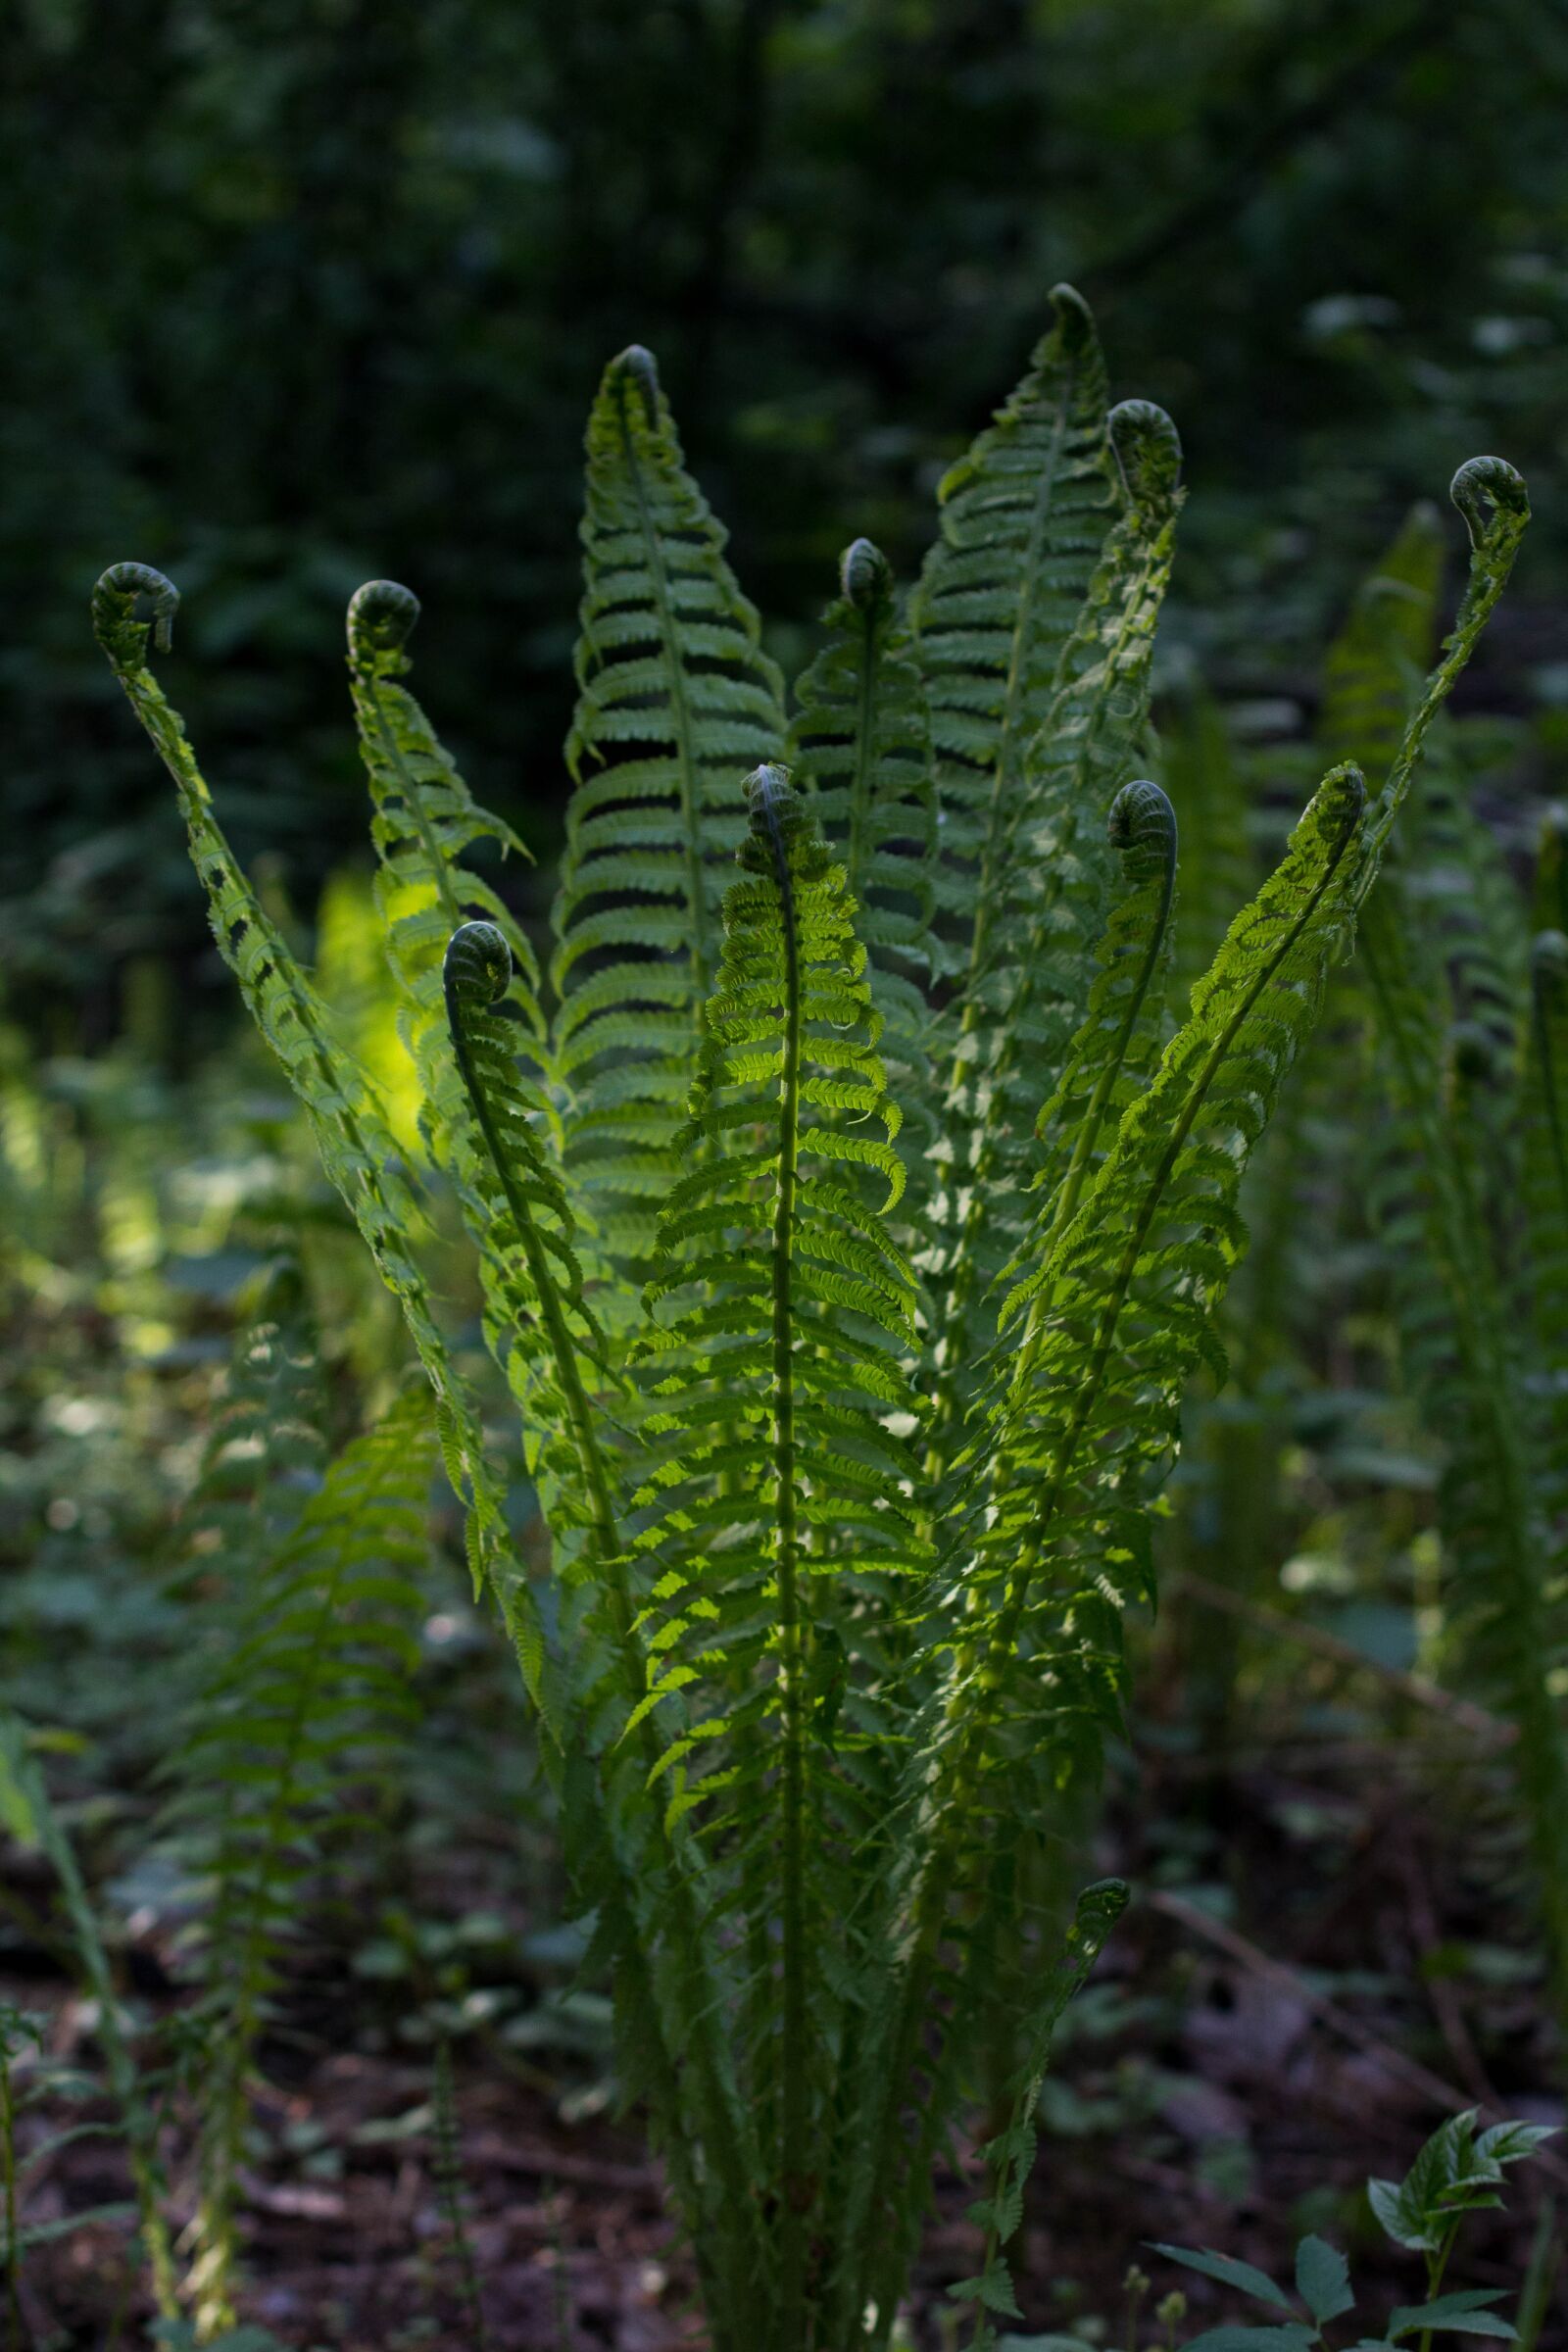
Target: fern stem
x,y
795,2187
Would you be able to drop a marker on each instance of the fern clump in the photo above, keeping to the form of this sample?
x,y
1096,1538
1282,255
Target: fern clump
x,y
853,1206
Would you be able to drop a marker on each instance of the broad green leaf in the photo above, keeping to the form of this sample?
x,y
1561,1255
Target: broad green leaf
x,y
1227,2271
1464,2312
1323,2280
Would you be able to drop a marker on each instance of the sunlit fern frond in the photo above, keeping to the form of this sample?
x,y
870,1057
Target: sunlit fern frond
x,y
776,1526
1113,1055
1022,515
425,824
1038,914
347,1125
860,746
675,697
538,1321
1106,1325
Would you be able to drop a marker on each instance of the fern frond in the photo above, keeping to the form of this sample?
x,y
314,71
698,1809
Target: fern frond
x,y
349,1129
860,746
553,1329
1022,517
1496,505
424,827
298,1716
1113,1317
1113,1055
1039,914
539,1322
674,695
776,1519
1439,948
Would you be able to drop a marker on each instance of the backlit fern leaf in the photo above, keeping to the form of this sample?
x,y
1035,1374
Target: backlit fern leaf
x,y
1038,916
1107,1325
347,1124
674,696
860,744
538,1321
1113,1055
1022,517
777,1521
425,824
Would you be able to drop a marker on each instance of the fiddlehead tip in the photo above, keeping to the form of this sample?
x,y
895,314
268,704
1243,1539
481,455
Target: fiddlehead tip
x,y
1490,493
1142,825
768,787
636,365
1095,1913
121,635
866,575
1075,320
478,971
1338,804
381,618
1148,448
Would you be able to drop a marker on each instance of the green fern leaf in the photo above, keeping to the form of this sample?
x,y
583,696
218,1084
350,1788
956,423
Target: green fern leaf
x,y
776,1519
425,824
346,1121
1039,912
674,695
860,746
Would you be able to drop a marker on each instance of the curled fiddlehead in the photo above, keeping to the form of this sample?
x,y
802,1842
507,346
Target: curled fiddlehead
x,y
1146,448
1492,496
382,615
121,635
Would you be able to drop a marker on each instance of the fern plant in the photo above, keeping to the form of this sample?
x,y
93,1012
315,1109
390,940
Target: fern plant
x,y
851,1217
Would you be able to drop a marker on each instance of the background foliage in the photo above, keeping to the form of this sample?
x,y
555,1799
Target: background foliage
x,y
303,293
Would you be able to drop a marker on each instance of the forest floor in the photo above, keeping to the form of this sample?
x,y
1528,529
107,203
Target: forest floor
x,y
1256,2044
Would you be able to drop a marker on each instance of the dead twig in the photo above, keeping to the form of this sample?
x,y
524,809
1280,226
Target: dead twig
x,y
1414,1687
1393,2061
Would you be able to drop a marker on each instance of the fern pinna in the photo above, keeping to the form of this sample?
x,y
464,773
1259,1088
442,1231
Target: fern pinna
x,y
851,1227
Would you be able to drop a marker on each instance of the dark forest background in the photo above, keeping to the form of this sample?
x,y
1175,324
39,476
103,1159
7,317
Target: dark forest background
x,y
297,292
